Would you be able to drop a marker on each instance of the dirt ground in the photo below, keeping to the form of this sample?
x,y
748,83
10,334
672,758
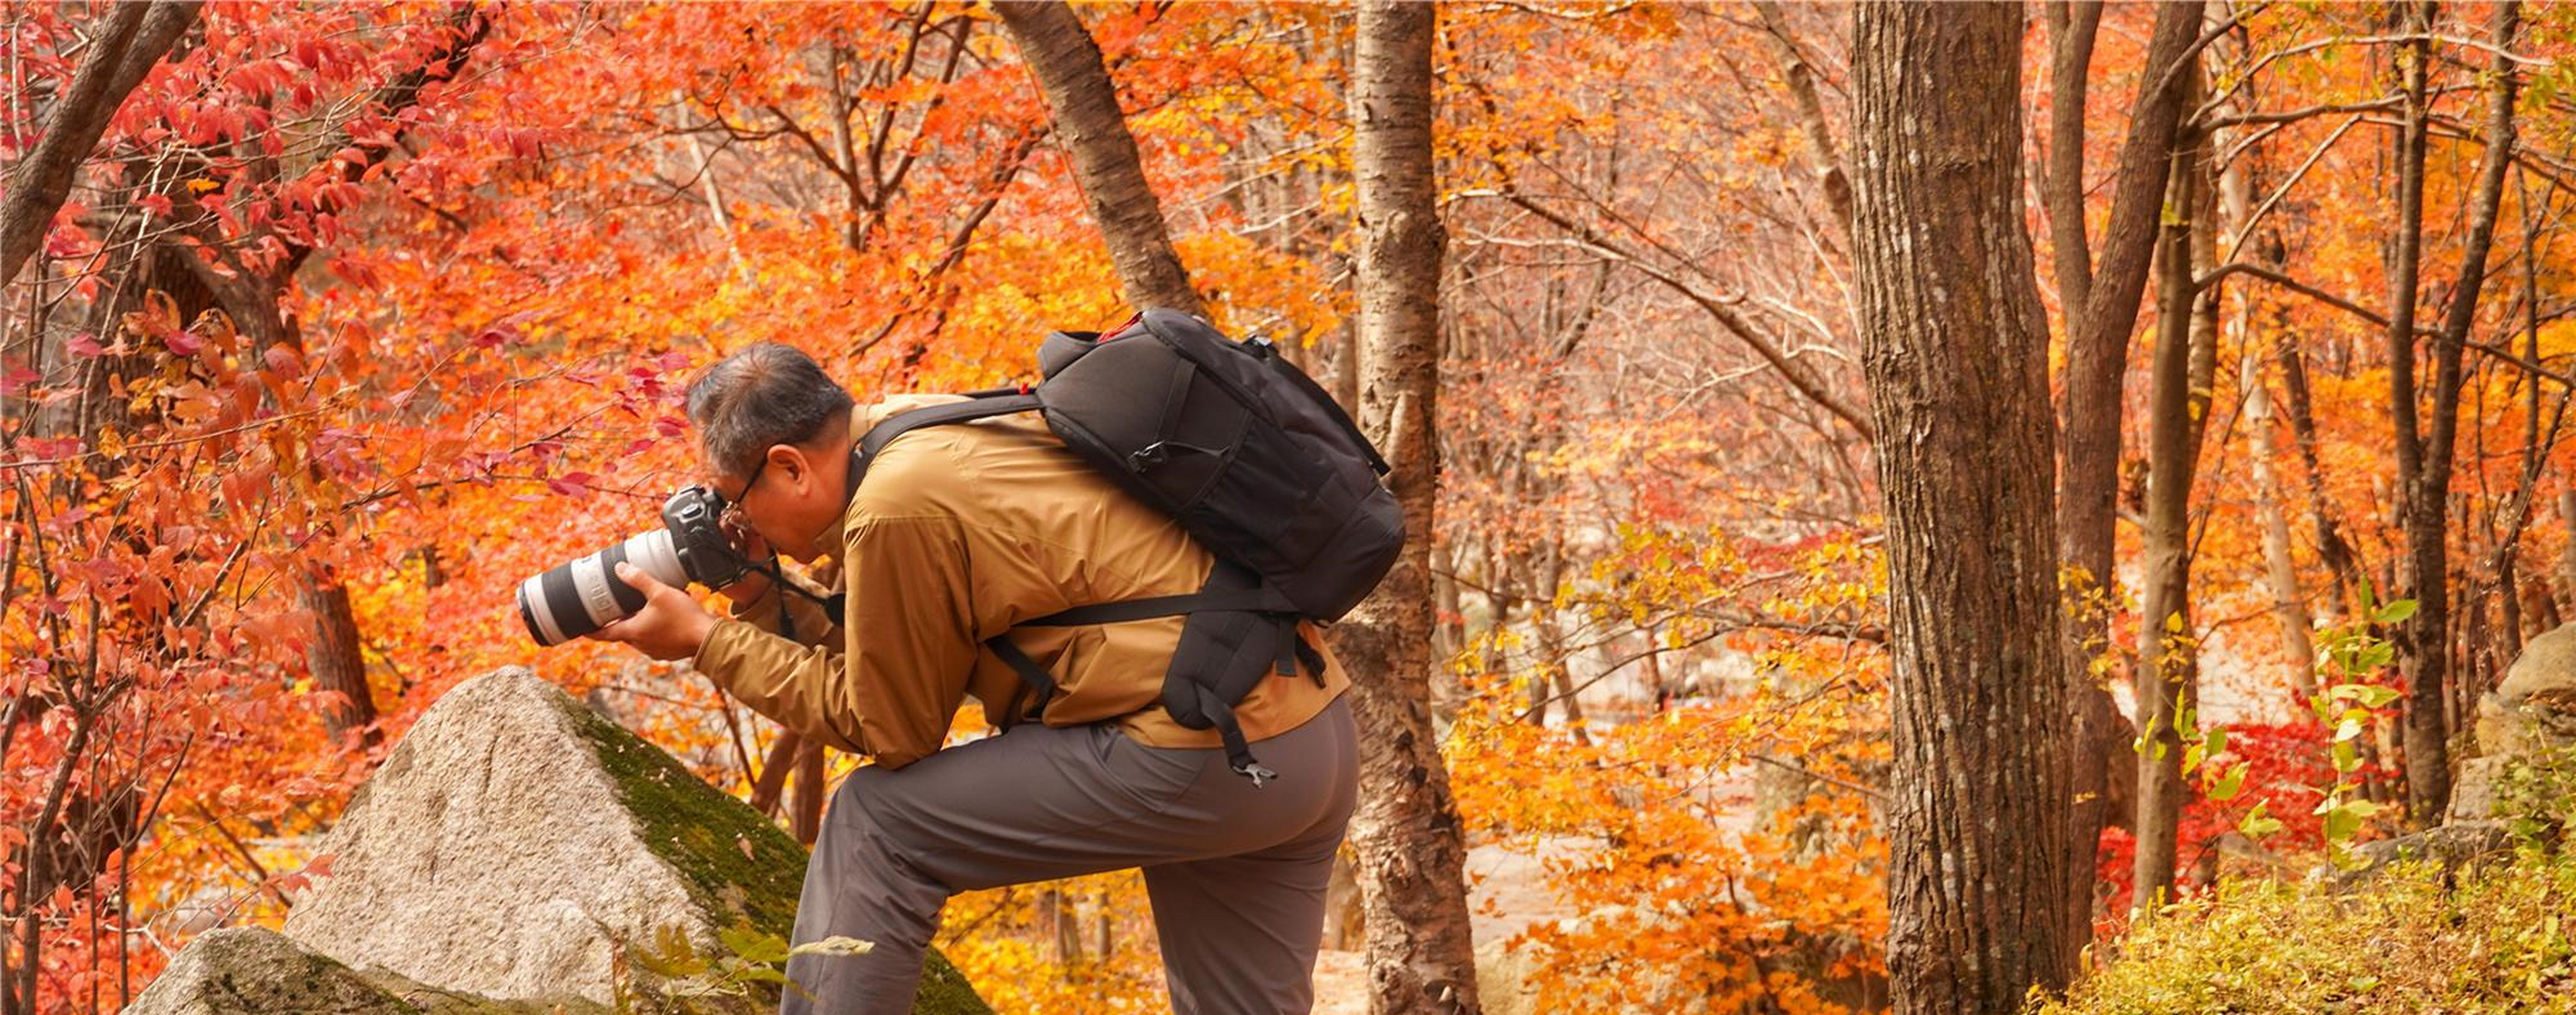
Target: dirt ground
x,y
1508,892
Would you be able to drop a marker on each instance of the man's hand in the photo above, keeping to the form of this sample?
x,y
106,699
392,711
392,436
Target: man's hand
x,y
670,626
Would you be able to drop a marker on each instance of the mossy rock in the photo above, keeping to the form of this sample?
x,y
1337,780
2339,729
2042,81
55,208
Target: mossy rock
x,y
736,860
257,971
517,842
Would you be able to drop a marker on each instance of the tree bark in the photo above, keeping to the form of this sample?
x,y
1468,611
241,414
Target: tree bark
x,y
2280,570
772,782
2424,455
2098,311
805,810
1955,347
1405,831
2332,548
1822,152
1078,90
2071,30
2101,309
336,661
2236,185
2419,661
2169,647
135,37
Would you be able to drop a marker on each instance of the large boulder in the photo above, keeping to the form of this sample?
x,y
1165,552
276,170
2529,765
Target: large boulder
x,y
2529,719
2534,709
516,841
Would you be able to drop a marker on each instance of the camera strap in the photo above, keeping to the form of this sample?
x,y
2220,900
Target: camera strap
x,y
831,604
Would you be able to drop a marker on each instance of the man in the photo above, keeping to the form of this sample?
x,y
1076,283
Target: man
x,y
957,534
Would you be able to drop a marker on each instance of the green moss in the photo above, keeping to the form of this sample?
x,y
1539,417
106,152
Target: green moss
x,y
258,970
2493,939
737,863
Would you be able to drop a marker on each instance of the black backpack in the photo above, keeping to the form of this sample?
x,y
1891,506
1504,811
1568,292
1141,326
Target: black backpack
x,y
1252,458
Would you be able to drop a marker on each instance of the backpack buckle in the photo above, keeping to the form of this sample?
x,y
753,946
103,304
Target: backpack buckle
x,y
1255,771
1159,452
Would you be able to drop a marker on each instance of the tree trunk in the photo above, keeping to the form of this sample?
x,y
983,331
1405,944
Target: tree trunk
x,y
132,39
2424,456
2098,314
2337,553
2280,570
772,782
1955,348
1822,152
1062,923
2236,185
1406,829
2419,659
335,660
805,811
2168,646
1067,63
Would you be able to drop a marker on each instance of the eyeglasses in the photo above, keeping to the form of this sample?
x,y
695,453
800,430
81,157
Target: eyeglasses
x,y
733,510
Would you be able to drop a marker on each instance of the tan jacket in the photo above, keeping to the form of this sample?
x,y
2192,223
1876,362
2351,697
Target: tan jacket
x,y
958,533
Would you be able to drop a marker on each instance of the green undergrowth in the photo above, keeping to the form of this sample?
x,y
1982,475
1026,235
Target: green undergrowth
x,y
2489,939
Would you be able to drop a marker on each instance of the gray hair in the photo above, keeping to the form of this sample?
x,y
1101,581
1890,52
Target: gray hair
x,y
765,393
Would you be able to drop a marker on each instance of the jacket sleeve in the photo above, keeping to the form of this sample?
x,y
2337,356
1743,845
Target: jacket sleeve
x,y
813,626
890,682
912,633
802,686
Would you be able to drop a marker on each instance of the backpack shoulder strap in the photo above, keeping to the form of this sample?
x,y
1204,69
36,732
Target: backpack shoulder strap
x,y
980,405
863,452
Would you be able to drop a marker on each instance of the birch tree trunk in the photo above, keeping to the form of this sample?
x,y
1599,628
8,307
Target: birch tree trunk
x,y
1085,103
1405,831
2280,570
1955,348
2235,222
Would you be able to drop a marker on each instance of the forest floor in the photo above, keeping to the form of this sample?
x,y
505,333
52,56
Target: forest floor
x,y
1508,891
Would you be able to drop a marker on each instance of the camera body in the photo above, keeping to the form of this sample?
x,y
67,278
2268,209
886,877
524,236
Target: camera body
x,y
693,517
584,594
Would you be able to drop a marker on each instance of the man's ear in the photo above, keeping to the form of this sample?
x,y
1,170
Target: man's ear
x,y
788,462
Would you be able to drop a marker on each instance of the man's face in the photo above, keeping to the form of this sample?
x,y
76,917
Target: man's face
x,y
772,501
789,496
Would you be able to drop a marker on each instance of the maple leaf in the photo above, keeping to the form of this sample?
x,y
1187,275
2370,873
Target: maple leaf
x,y
571,484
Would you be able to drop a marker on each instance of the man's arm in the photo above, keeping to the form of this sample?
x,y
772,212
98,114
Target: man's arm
x,y
813,626
802,686
912,630
889,682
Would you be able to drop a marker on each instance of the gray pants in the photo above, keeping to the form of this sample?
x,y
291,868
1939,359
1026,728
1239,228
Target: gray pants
x,y
1236,874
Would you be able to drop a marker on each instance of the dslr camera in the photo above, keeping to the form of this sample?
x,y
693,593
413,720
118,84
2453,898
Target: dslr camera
x,y
583,595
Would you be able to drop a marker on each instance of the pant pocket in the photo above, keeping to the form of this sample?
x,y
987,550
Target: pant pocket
x,y
1155,776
